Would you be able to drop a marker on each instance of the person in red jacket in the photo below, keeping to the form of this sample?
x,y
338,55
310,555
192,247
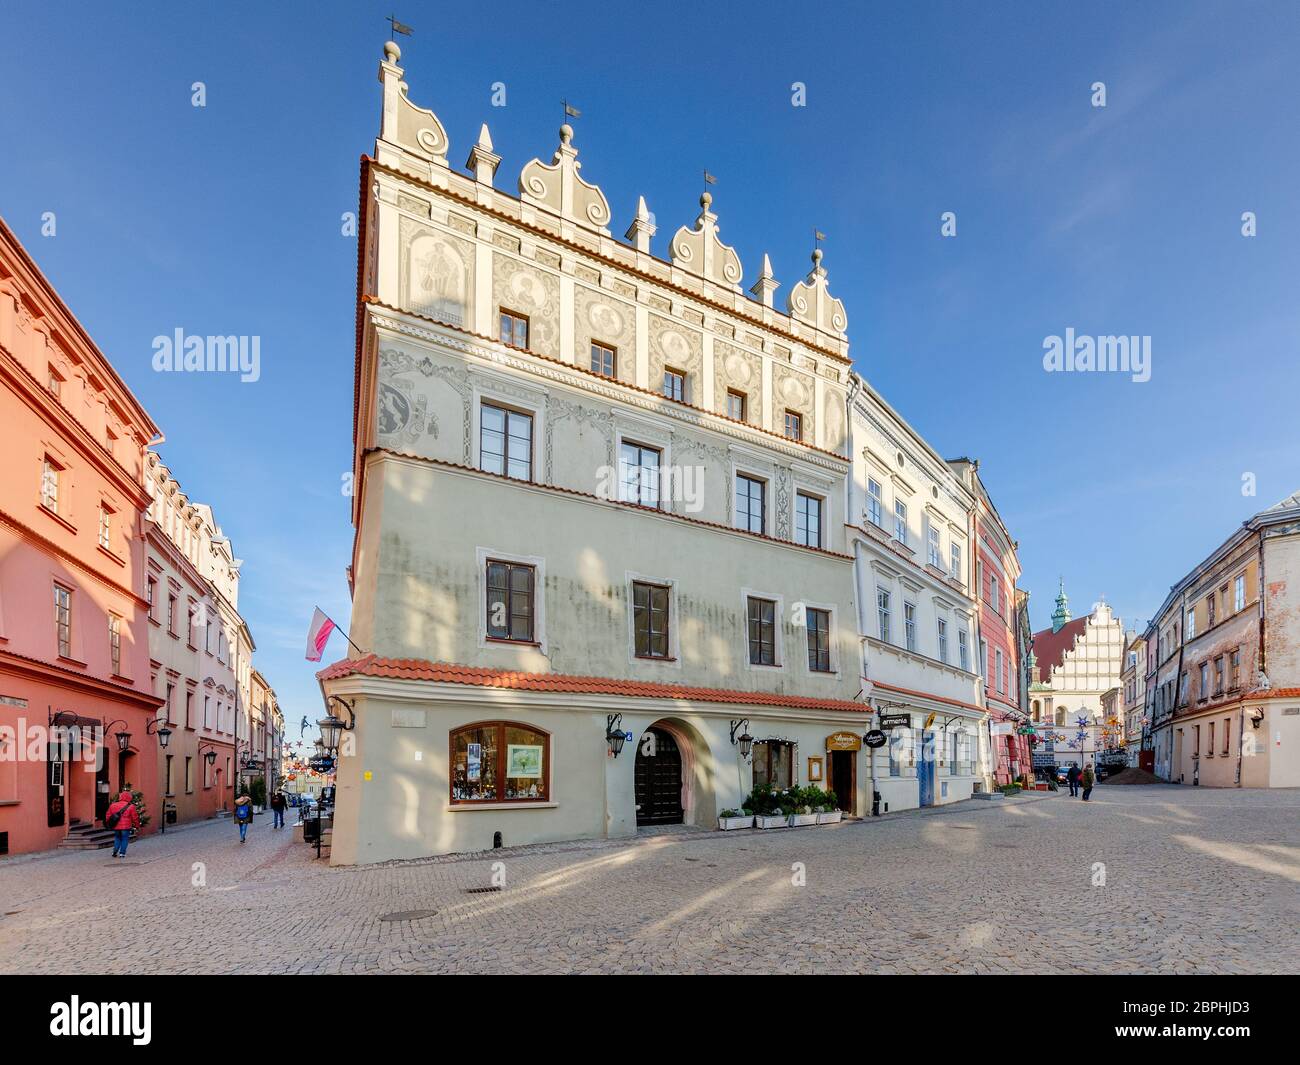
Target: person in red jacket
x,y
121,817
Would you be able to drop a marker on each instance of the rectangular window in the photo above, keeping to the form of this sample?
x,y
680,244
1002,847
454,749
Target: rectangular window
x,y
774,763
1227,735
167,777
1239,593
909,625
50,485
514,329
984,661
1196,741
955,555
900,521
751,503
506,442
819,640
1191,624
639,474
500,761
882,613
150,590
807,520
167,707
189,776
207,711
963,651
794,425
736,405
932,546
902,752
1205,679
650,620
1209,747
189,709
998,674
54,381
63,619
1218,675
674,386
105,527
995,593
875,505
762,632
602,359
1234,670
943,640
171,614
1209,613
115,643
510,591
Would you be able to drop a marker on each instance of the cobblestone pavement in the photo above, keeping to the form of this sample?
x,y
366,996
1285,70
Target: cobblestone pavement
x,y
1196,880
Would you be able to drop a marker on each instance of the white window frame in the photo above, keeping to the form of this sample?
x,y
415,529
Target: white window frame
x,y
884,624
674,659
833,636
909,626
535,406
1239,593
933,545
878,499
752,474
778,617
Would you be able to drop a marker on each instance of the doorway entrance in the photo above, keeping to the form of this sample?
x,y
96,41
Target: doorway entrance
x,y
925,770
658,779
844,780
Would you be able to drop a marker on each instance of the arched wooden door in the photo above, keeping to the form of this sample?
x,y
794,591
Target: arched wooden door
x,y
658,779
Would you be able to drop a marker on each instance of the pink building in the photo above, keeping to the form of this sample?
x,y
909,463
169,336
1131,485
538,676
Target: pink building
x,y
77,706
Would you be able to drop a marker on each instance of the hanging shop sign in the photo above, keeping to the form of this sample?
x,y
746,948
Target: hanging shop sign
x,y
844,741
875,738
888,721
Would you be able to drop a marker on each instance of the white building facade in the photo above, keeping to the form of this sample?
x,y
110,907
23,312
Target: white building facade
x,y
601,544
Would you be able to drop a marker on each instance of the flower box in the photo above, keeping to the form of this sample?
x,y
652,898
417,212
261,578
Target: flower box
x,y
832,818
771,821
801,820
728,824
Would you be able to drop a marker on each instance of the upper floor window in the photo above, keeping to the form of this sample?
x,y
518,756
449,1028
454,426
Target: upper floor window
x,y
171,614
963,652
510,601
736,405
808,520
115,643
500,761
954,570
875,506
63,619
506,442
909,626
751,503
1191,624
150,590
943,640
762,632
54,381
639,474
602,359
794,425
674,386
1234,669
995,593
1209,614
1218,675
999,677
105,527
1239,592
50,478
883,613
650,619
514,329
819,640
900,521
932,546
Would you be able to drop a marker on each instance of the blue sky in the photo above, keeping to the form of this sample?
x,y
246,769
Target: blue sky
x,y
1117,220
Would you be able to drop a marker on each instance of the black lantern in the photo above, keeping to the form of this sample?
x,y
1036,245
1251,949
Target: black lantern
x,y
158,727
744,741
211,757
123,741
614,735
330,728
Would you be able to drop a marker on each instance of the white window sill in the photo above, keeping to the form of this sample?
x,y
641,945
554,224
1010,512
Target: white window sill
x,y
469,807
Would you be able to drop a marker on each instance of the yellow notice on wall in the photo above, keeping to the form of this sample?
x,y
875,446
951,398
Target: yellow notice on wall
x,y
367,775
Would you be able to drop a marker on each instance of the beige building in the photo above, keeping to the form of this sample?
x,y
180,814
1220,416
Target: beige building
x,y
1224,661
600,515
1133,688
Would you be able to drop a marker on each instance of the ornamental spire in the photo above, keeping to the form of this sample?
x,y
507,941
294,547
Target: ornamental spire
x,y
1061,614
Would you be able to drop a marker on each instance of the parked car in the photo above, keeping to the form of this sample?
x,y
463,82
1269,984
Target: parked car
x,y
1062,774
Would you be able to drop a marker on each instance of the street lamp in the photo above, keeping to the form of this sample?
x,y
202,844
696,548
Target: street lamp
x,y
614,735
331,726
745,742
158,727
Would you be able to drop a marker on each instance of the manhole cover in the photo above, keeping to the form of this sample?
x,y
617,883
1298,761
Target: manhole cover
x,y
409,915
480,890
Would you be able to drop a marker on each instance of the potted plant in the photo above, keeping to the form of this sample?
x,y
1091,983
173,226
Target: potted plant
x,y
733,819
799,803
767,810
828,812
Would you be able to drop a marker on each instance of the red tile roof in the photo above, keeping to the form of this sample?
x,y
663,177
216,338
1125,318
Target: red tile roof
x,y
1050,647
449,673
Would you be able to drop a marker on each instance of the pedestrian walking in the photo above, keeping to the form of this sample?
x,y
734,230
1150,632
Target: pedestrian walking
x,y
278,804
122,817
1089,778
243,815
1073,777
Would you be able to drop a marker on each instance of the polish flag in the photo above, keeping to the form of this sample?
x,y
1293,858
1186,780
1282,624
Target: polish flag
x,y
318,635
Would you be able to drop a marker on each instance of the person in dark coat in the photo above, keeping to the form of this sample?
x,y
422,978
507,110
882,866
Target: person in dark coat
x,y
278,804
1072,775
1088,779
122,817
